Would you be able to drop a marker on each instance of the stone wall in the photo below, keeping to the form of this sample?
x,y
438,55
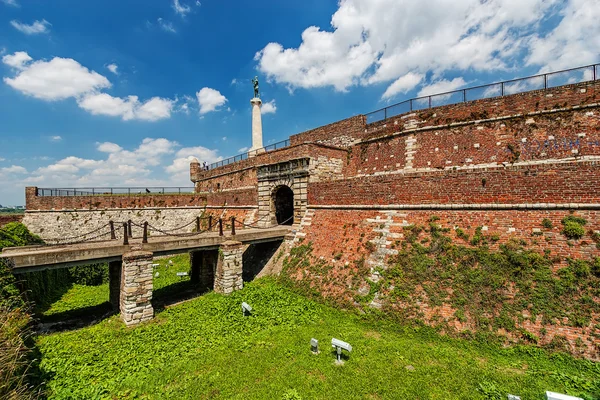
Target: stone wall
x,y
66,224
243,173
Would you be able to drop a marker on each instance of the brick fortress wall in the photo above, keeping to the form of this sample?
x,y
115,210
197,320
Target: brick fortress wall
x,y
500,165
8,218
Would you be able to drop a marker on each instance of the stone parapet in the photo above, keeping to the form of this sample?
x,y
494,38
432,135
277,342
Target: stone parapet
x,y
136,288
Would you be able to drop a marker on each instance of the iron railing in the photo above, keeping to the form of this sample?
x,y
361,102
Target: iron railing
x,y
112,191
244,156
498,89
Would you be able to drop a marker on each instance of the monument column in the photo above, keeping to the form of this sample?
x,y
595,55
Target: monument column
x,y
257,142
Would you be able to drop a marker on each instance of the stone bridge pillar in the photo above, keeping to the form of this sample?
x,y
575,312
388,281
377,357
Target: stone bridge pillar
x,y
114,283
228,276
203,265
136,287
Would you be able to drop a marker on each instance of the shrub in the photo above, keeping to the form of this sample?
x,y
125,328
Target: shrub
x,y
573,230
575,219
91,275
546,223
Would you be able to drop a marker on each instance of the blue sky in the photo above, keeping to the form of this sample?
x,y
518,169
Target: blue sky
x,y
125,93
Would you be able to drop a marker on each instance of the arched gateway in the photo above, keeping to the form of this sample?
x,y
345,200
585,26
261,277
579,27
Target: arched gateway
x,y
283,205
282,195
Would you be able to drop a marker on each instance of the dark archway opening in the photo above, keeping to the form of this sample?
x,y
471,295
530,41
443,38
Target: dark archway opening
x,y
284,205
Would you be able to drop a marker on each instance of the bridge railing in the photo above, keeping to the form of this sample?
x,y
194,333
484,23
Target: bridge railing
x,y
504,88
194,227
112,191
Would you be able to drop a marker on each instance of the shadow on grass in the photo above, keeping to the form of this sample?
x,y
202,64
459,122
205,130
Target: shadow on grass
x,y
74,319
175,293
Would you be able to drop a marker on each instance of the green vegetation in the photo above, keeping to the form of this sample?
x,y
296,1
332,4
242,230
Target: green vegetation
x,y
92,301
479,278
546,223
205,348
573,227
490,290
16,350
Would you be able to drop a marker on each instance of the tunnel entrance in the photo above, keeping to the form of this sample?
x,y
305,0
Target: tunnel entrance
x,y
283,200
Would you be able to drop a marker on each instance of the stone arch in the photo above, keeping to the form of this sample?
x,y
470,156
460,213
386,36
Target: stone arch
x,y
268,188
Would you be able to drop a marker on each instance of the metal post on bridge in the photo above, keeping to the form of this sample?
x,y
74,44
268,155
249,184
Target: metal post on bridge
x,y
125,236
128,232
197,224
220,227
145,237
210,223
233,226
112,230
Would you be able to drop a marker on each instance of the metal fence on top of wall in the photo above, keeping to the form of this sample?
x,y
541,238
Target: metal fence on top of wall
x,y
504,88
112,191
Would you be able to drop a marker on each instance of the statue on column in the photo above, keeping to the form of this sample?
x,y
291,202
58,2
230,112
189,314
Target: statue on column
x,y
255,83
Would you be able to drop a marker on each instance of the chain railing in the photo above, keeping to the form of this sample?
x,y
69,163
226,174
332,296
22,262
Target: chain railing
x,y
245,156
112,191
498,89
109,230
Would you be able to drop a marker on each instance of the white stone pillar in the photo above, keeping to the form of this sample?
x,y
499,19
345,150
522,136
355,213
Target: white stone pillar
x,y
228,276
136,287
257,141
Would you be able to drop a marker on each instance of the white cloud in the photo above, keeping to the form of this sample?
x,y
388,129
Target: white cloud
x,y
129,108
17,60
14,169
181,9
2,159
234,81
576,39
180,167
62,78
35,28
209,100
398,41
268,108
403,84
57,79
55,138
243,149
153,162
442,86
113,68
11,3
108,147
166,26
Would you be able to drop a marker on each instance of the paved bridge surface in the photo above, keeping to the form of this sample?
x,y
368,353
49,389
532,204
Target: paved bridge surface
x,y
35,258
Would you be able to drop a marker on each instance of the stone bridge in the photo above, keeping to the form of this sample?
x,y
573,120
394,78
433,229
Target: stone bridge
x,y
216,262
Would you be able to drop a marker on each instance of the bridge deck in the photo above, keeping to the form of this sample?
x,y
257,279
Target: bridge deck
x,y
33,258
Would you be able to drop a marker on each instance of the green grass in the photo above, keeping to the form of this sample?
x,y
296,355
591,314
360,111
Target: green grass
x,y
205,348
82,300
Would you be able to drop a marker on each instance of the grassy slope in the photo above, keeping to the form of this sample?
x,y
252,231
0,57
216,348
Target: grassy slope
x,y
205,348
